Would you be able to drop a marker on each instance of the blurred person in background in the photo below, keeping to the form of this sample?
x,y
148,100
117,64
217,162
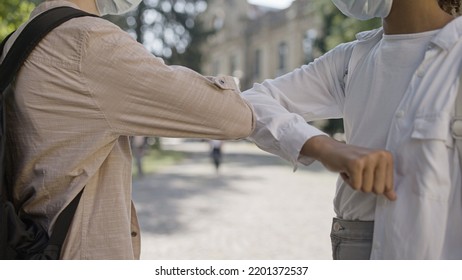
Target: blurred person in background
x,y
216,153
399,190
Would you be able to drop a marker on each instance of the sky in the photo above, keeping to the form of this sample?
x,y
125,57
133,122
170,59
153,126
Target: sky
x,y
281,4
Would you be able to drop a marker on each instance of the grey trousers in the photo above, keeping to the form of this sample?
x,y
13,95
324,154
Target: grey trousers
x,y
351,240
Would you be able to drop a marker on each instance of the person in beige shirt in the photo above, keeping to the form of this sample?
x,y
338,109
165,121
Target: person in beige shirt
x,y
83,91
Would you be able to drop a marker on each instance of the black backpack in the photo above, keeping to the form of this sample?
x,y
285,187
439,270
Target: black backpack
x,y
20,236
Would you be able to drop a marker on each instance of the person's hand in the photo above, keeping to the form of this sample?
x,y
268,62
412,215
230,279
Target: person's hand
x,y
366,170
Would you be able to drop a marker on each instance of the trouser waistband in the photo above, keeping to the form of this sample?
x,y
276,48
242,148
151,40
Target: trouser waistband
x,y
352,229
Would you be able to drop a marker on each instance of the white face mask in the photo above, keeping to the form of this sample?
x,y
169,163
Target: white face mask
x,y
364,9
115,7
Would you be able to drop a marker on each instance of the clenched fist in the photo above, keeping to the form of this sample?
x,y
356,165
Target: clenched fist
x,y
366,170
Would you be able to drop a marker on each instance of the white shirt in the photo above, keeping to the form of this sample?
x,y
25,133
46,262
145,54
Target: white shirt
x,y
390,99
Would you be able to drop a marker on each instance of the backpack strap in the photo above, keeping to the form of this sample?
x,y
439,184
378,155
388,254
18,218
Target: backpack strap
x,y
2,125
2,45
32,34
456,125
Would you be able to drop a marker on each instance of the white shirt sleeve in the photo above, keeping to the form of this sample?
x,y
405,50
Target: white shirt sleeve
x,y
283,106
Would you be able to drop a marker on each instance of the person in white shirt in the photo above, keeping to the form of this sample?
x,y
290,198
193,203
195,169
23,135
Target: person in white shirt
x,y
399,191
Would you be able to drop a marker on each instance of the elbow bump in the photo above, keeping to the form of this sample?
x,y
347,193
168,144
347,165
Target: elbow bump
x,y
249,123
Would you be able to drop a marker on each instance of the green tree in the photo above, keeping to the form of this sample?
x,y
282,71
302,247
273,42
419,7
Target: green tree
x,y
169,29
12,14
338,28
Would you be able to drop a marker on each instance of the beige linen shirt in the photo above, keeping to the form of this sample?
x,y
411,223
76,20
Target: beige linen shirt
x,y
84,89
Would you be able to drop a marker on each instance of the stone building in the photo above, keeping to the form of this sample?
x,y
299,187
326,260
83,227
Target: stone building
x,y
254,43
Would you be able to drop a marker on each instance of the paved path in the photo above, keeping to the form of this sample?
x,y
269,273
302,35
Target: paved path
x,y
255,208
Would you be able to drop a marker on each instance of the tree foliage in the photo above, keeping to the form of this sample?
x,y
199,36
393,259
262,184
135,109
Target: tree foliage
x,y
338,28
12,14
169,29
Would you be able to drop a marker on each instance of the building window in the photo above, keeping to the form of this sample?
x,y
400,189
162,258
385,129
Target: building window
x,y
283,54
257,64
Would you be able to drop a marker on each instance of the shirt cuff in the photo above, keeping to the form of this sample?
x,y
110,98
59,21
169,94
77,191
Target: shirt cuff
x,y
296,136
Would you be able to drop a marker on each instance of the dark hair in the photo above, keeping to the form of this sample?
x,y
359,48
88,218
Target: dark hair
x,y
452,7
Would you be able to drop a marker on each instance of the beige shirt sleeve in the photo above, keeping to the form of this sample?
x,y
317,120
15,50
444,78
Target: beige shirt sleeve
x,y
140,95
